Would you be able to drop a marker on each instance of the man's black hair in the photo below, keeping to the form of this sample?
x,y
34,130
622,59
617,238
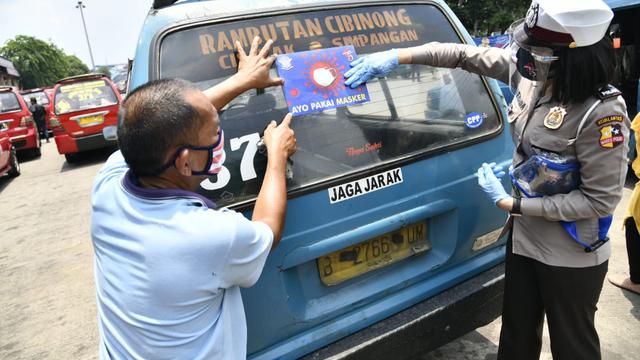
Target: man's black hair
x,y
580,72
153,121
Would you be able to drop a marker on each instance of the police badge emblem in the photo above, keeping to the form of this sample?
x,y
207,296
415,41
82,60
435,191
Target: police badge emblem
x,y
554,118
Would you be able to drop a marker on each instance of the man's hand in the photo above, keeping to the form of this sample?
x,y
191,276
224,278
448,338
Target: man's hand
x,y
280,139
253,72
254,68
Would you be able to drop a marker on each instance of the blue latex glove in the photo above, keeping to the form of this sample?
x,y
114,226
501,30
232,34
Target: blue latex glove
x,y
498,170
490,184
374,65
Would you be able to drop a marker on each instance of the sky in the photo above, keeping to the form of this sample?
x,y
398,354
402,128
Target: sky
x,y
113,26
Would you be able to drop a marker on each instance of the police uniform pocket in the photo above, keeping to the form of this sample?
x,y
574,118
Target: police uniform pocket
x,y
548,142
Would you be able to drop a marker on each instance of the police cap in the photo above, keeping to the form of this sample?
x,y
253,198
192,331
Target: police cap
x,y
564,23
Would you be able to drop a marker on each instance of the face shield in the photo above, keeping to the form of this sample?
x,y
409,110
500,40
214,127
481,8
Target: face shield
x,y
529,66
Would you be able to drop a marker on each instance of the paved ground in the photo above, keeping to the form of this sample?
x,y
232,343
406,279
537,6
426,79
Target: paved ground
x,y
47,301
47,296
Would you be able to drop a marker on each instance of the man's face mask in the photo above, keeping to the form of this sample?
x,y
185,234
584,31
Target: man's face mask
x,y
215,157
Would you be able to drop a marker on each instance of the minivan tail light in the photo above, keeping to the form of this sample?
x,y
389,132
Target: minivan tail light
x,y
56,126
26,121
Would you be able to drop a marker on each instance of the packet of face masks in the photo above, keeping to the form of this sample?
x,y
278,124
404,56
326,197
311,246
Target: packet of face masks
x,y
546,173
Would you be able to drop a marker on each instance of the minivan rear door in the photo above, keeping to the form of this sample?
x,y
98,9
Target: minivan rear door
x,y
84,107
11,109
384,208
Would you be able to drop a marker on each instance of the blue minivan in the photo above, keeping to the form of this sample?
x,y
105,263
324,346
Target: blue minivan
x,y
390,248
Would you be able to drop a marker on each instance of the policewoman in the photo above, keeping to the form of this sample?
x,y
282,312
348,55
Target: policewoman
x,y
570,129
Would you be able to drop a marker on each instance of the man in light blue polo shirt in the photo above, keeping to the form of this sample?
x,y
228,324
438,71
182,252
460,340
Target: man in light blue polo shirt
x,y
168,265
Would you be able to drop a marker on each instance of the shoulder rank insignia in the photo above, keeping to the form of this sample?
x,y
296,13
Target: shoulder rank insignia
x,y
555,117
608,92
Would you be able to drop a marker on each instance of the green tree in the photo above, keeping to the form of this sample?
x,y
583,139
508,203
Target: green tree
x,y
75,66
40,63
482,17
104,70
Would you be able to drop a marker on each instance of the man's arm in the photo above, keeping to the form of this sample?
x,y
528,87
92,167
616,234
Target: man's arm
x,y
253,72
271,204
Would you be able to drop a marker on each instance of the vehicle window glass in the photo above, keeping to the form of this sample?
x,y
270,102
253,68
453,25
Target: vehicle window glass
x,y
414,110
40,96
83,95
9,102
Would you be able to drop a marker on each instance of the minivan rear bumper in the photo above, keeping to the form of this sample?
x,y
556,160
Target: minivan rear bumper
x,y
426,325
70,145
25,138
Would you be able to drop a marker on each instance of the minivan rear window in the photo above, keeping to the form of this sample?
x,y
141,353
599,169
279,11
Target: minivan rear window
x,y
413,111
40,96
83,95
9,102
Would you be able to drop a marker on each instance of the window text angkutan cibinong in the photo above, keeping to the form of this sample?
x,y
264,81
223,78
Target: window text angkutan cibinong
x,y
365,29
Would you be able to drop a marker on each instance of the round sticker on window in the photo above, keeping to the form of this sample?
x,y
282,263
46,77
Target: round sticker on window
x,y
474,120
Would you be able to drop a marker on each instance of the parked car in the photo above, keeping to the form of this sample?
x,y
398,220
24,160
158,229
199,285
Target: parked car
x,y
120,79
386,273
14,111
83,106
8,158
44,97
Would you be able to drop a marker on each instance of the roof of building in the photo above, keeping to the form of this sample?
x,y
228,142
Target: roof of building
x,y
11,70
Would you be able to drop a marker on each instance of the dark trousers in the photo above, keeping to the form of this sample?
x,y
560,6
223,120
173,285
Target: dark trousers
x,y
568,297
43,131
633,249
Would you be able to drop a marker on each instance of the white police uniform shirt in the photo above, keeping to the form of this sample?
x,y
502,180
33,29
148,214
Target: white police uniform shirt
x,y
168,268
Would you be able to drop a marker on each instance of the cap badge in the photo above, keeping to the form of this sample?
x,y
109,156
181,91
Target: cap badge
x,y
554,118
532,15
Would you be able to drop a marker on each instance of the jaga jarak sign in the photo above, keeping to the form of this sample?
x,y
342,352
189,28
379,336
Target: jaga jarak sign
x,y
314,80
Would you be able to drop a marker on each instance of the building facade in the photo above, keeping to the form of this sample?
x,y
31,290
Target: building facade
x,y
9,76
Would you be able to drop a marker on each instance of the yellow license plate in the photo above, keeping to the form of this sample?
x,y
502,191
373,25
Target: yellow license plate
x,y
91,120
373,254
